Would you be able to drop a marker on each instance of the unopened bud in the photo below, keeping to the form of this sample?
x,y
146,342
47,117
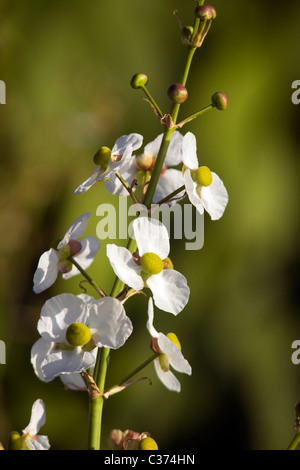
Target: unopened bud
x,y
205,12
177,93
219,100
15,441
139,80
144,161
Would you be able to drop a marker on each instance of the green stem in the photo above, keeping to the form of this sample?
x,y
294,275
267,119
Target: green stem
x,y
152,101
87,276
139,368
195,115
171,195
293,445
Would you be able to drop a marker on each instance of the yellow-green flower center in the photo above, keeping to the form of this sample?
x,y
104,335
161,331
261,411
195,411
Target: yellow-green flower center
x,y
102,157
147,443
164,362
203,176
78,334
172,337
151,263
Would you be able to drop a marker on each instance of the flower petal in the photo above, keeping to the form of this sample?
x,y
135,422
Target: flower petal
x,y
170,290
167,378
214,197
189,151
124,267
75,230
46,272
58,313
133,140
108,322
153,147
89,248
174,152
176,358
151,237
167,183
150,326
61,362
37,419
190,187
88,183
114,186
39,351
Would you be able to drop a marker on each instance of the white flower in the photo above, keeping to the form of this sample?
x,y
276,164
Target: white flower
x,y
170,178
119,156
169,287
204,188
30,440
71,327
170,355
56,260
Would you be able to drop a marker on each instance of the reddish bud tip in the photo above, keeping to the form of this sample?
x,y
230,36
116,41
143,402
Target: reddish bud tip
x,y
177,93
205,12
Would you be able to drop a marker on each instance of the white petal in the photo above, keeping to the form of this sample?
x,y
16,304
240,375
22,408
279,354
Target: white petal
x,y
114,186
133,140
39,443
170,290
109,324
176,358
82,188
174,152
151,237
58,313
38,418
190,187
61,362
46,272
189,151
153,147
214,197
124,267
150,326
89,248
167,183
167,378
39,351
75,230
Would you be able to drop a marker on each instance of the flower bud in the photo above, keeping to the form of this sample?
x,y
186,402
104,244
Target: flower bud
x,y
15,441
151,263
78,334
219,100
144,161
177,93
102,156
187,31
147,443
139,80
205,12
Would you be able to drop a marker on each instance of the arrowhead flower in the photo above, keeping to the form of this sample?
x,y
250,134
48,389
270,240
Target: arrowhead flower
x,y
150,267
137,168
111,162
30,440
56,259
204,188
170,354
71,327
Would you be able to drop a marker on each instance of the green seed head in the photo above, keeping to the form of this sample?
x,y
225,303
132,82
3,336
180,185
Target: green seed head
x,y
78,334
151,263
148,444
102,156
203,176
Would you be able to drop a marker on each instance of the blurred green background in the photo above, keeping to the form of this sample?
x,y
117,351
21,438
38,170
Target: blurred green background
x,y
67,67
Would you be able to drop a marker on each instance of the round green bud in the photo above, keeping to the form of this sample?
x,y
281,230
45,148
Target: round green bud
x,y
102,156
151,263
139,80
78,334
177,93
15,441
147,443
219,100
172,337
203,176
205,12
187,31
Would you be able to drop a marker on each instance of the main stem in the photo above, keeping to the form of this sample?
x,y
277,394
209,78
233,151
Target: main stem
x,y
96,404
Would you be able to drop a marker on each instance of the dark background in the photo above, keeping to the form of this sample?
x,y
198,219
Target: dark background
x,y
67,67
